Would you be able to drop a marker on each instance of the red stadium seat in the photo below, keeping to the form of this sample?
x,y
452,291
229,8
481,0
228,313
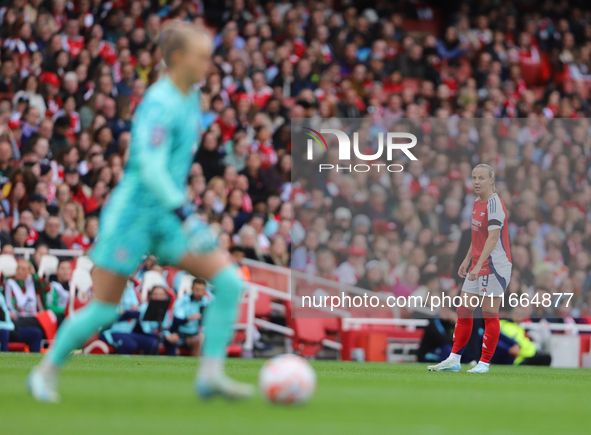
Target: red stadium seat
x,y
68,240
18,347
332,327
99,347
240,335
262,307
234,350
308,336
171,273
48,322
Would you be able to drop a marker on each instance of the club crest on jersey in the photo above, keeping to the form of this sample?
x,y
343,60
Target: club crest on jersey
x,y
158,133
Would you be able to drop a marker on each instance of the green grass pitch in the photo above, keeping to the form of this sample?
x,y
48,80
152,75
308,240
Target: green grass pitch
x,y
154,395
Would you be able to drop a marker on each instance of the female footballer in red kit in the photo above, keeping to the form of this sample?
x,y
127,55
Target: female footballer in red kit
x,y
489,275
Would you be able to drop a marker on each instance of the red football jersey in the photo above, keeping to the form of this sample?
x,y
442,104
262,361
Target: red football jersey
x,y
487,216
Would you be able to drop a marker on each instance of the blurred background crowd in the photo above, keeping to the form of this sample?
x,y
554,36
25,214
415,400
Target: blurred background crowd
x,y
73,72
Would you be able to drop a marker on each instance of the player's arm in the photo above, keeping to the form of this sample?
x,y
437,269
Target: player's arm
x,y
154,126
489,245
464,266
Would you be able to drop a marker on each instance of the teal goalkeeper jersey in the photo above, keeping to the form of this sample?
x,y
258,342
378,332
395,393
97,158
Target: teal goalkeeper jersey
x,y
164,139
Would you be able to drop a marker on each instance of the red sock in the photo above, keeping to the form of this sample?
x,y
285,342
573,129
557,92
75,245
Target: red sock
x,y
463,330
492,330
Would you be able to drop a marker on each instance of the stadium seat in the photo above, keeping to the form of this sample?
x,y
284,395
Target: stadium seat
x,y
99,347
48,265
151,278
84,263
185,284
18,347
82,280
170,275
69,240
7,265
308,336
240,334
172,296
234,350
262,306
80,290
332,326
375,338
48,322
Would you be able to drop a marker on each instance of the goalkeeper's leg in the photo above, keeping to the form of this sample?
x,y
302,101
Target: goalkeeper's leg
x,y
218,323
75,330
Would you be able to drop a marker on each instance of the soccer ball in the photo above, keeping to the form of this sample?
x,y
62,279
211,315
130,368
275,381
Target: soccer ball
x,y
287,379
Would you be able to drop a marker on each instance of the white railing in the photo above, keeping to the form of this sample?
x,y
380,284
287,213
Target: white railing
x,y
252,292
353,323
28,252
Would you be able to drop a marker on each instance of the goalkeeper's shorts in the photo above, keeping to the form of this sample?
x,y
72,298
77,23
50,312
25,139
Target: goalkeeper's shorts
x,y
126,234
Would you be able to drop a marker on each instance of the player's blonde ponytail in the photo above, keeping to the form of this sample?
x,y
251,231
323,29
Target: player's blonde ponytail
x,y
491,174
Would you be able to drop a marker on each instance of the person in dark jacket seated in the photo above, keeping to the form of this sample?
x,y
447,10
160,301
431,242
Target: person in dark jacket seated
x,y
131,333
51,236
186,324
437,340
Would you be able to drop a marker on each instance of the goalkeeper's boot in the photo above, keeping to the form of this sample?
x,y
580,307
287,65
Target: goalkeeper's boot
x,y
445,366
480,368
222,385
42,385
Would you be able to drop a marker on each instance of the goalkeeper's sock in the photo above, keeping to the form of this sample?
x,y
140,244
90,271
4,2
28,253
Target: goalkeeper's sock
x,y
219,317
210,368
463,330
454,357
78,327
492,331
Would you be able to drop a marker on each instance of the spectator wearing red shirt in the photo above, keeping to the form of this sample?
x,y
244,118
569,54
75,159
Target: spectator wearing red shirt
x,y
261,92
227,123
26,218
95,202
72,179
72,42
264,146
85,241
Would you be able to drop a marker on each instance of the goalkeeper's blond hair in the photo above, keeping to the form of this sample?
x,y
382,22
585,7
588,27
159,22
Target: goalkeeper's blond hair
x,y
176,34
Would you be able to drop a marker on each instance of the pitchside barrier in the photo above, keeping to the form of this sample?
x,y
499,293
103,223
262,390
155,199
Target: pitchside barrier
x,y
569,344
283,289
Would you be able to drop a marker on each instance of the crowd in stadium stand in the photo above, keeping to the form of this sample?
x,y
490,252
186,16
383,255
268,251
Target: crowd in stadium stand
x,y
73,72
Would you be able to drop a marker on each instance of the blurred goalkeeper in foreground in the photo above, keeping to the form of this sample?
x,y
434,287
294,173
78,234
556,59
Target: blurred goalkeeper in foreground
x,y
149,212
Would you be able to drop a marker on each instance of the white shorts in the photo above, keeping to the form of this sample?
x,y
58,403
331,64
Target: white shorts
x,y
486,285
